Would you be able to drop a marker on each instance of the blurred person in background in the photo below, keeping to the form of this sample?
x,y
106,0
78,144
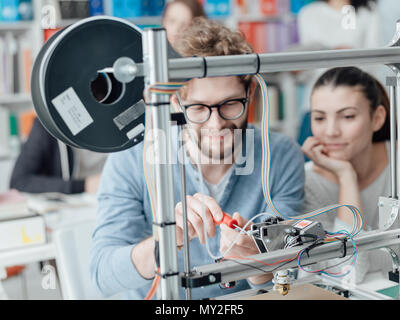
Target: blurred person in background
x,y
333,25
48,165
178,15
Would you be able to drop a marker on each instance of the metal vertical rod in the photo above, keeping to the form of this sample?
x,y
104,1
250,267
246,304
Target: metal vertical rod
x,y
156,62
393,138
394,141
186,243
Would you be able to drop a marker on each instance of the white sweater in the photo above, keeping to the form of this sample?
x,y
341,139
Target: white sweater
x,y
320,23
321,192
322,26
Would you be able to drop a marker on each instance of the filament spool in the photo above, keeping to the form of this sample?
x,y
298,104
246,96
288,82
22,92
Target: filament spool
x,y
72,100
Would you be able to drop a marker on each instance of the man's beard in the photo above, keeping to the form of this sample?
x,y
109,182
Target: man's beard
x,y
219,152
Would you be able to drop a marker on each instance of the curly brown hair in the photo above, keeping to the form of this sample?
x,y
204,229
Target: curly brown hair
x,y
209,38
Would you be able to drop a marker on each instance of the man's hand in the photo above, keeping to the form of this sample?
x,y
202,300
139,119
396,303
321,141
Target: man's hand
x,y
195,219
244,246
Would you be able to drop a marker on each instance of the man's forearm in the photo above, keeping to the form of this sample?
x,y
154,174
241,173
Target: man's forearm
x,y
143,258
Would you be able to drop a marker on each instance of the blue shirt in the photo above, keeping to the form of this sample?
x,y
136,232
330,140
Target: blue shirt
x,y
124,216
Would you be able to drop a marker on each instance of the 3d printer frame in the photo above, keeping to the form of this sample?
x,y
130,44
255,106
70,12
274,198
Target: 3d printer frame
x,y
158,68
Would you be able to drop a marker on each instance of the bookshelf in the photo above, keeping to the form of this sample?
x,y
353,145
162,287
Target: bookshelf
x,y
17,50
16,35
271,26
240,14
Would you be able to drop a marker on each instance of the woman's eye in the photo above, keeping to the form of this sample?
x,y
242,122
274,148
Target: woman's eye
x,y
350,116
318,119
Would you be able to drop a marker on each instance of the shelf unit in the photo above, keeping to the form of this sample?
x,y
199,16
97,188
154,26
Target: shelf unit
x,y
286,82
13,100
22,101
16,26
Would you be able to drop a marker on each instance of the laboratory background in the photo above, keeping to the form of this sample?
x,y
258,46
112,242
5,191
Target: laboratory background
x,y
48,189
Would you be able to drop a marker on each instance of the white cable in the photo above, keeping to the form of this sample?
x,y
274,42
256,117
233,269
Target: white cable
x,y
242,231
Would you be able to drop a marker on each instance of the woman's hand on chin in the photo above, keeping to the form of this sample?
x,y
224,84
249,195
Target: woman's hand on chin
x,y
317,152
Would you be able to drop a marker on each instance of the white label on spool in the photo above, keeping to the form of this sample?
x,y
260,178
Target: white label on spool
x,y
72,111
135,131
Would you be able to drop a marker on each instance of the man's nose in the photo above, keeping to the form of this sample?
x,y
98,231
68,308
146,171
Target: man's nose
x,y
215,119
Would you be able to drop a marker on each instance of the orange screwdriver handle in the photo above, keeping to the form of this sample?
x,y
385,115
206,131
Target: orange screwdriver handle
x,y
230,222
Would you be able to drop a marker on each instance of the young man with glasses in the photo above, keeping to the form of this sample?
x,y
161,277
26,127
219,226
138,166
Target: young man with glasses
x,y
216,110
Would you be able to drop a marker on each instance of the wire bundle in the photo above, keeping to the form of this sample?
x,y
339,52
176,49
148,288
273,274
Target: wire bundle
x,y
165,88
265,180
347,268
357,216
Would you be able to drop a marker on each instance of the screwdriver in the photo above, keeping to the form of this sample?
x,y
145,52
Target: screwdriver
x,y
232,223
226,219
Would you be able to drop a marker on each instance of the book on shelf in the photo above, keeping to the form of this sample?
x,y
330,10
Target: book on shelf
x,y
296,5
14,130
74,9
9,58
260,44
274,105
48,33
266,37
96,7
9,10
25,63
218,8
11,135
152,7
25,123
274,7
5,131
15,10
268,8
15,63
133,8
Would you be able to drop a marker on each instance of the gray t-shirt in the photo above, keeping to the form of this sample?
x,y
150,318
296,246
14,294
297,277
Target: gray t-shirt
x,y
217,190
321,192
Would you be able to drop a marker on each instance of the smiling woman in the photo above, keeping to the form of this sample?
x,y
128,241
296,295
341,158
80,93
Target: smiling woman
x,y
349,152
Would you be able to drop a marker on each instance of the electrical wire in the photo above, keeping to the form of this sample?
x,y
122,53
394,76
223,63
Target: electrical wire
x,y
324,270
153,288
171,88
265,181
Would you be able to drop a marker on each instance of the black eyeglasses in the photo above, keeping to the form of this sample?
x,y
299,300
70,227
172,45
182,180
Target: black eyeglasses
x,y
228,110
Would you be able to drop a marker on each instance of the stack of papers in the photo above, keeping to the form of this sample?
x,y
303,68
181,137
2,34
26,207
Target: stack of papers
x,y
13,205
47,202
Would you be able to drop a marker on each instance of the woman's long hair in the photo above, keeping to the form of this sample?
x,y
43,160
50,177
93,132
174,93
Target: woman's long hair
x,y
373,90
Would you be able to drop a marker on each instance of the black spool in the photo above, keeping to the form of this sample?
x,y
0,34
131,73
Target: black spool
x,y
72,58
